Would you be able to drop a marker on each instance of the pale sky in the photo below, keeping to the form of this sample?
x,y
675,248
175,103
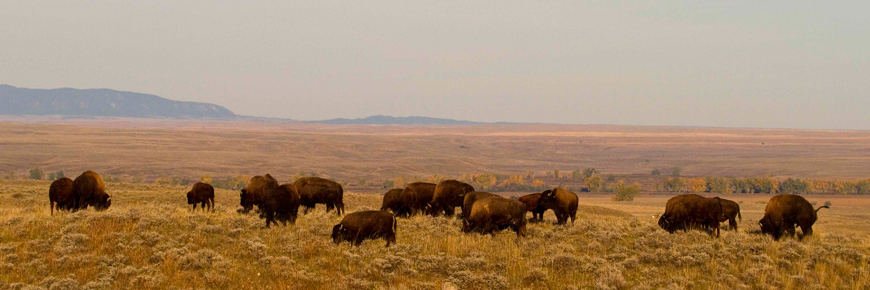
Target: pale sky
x,y
779,64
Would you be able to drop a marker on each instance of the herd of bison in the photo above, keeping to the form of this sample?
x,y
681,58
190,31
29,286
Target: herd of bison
x,y
481,212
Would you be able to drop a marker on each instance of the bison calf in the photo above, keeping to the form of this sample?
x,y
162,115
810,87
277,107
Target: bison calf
x,y
730,213
202,193
361,225
496,213
60,194
531,202
784,211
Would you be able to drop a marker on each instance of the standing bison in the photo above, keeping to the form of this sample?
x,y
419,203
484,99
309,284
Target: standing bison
x,y
255,190
400,201
361,225
562,202
60,194
496,213
314,190
691,210
531,202
730,213
469,200
424,192
280,203
202,193
90,190
784,211
448,195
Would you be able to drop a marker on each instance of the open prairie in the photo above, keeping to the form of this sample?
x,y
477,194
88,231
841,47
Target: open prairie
x,y
149,238
155,149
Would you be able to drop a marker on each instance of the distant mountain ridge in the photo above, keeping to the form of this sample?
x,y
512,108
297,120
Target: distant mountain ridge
x,y
102,103
390,120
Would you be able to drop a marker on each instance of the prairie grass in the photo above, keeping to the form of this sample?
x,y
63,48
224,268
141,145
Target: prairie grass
x,y
149,239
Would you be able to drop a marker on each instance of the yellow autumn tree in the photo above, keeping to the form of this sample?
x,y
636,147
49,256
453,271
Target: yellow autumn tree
x,y
593,184
697,185
206,179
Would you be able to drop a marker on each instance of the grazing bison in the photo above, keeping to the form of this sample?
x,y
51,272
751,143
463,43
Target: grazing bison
x,y
202,193
531,201
469,200
496,213
784,211
400,202
448,195
424,191
562,202
255,190
361,225
90,190
280,203
730,213
60,194
691,210
314,190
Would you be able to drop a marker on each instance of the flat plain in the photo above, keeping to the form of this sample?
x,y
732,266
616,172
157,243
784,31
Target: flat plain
x,y
149,238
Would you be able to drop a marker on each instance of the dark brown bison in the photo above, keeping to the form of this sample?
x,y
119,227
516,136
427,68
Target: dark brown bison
x,y
255,190
314,190
562,202
469,200
730,213
361,225
202,193
90,190
400,202
448,195
784,211
691,210
424,191
531,202
280,203
60,194
496,213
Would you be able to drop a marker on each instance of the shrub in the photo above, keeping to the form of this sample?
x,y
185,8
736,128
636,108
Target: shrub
x,y
626,192
37,174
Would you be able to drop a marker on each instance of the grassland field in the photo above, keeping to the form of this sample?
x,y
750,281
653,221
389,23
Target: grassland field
x,y
150,239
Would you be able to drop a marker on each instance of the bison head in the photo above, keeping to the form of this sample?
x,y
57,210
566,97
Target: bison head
x,y
767,227
339,234
190,197
547,199
102,202
245,202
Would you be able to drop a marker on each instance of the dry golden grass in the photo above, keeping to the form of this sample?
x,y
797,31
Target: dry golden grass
x,y
150,239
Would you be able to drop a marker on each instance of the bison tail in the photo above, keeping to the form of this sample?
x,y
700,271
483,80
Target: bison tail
x,y
394,224
821,207
739,215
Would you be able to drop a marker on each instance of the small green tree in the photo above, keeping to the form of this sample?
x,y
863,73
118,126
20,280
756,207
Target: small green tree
x,y
59,175
626,192
51,176
676,172
389,184
37,174
656,172
556,174
589,172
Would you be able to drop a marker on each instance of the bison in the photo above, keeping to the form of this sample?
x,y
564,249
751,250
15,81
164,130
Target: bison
x,y
280,203
730,213
202,193
531,201
691,210
469,200
496,213
448,195
60,194
361,225
254,191
90,190
424,192
784,211
562,202
400,201
314,190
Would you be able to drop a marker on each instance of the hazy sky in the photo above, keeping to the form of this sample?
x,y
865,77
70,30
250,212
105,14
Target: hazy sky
x,y
691,63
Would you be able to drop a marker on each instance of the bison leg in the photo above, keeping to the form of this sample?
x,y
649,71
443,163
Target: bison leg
x,y
51,205
732,224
